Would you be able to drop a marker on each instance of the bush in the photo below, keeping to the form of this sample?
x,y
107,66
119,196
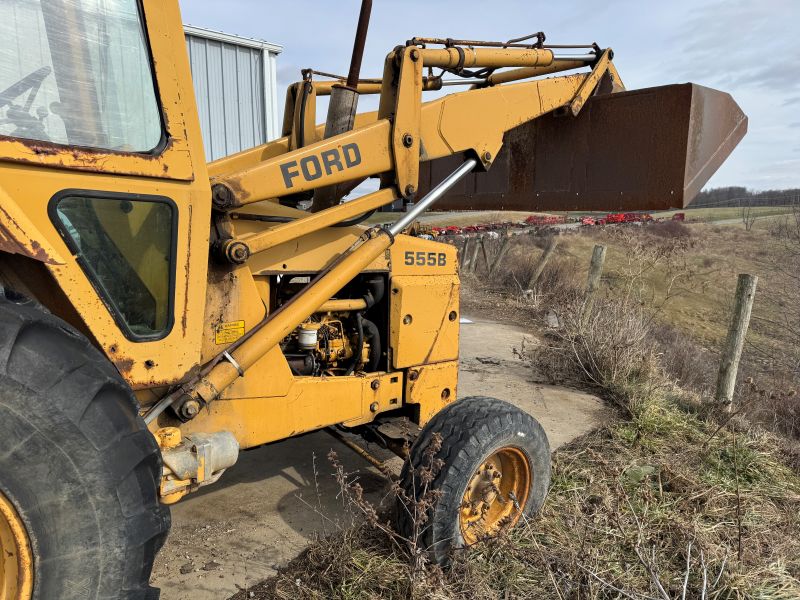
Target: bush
x,y
606,343
558,282
670,229
690,365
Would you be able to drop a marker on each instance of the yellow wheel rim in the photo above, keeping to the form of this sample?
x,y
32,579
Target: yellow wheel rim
x,y
16,558
496,495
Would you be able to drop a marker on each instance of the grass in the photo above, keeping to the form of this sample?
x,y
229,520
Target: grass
x,y
642,505
700,305
689,272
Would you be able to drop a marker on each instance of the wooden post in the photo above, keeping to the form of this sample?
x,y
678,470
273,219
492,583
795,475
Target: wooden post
x,y
502,254
463,261
732,353
473,260
543,259
485,255
596,268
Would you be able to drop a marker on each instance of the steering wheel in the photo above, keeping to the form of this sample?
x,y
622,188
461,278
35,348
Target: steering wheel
x,y
27,125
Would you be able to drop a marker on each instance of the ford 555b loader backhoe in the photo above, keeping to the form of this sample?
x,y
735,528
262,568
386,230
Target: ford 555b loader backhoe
x,y
160,314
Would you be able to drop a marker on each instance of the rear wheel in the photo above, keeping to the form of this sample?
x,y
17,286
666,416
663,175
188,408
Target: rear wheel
x,y
496,471
16,557
79,511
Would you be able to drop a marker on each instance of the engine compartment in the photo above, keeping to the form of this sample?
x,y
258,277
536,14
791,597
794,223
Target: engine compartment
x,y
346,336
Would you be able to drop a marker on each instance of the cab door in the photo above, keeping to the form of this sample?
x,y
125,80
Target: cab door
x,y
102,173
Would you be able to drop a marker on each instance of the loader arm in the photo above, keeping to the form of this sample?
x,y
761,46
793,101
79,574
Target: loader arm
x,y
404,133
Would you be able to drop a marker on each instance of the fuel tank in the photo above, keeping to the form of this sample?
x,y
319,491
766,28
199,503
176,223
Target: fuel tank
x,y
646,149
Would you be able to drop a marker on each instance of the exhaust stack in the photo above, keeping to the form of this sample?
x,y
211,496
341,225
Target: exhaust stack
x,y
344,106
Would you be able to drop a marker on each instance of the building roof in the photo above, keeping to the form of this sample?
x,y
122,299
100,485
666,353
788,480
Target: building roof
x,y
236,40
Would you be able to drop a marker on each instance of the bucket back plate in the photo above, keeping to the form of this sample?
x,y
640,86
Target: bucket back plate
x,y
647,149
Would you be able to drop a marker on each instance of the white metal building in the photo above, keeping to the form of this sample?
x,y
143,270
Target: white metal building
x,y
235,81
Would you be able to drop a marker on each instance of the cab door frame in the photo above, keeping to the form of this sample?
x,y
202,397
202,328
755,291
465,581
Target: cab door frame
x,y
32,173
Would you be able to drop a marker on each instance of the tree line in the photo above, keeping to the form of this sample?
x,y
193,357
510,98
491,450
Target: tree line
x,y
740,196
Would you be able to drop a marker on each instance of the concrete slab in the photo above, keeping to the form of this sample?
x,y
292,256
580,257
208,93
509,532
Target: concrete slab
x,y
264,511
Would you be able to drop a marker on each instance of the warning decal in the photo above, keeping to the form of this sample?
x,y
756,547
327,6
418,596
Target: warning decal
x,y
227,333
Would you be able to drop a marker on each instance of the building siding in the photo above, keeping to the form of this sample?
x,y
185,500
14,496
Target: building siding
x,y
235,81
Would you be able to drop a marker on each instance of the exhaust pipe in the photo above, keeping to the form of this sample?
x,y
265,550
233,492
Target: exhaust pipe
x,y
344,106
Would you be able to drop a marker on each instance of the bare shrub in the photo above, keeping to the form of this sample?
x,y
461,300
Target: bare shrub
x,y
614,339
670,229
776,408
685,361
558,281
605,343
748,215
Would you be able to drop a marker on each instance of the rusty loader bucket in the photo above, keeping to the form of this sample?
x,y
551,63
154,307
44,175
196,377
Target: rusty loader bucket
x,y
645,149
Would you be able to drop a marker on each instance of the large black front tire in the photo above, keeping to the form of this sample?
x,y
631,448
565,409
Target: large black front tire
x,y
77,463
472,430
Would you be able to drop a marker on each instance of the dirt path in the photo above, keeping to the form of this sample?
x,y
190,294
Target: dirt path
x,y
263,512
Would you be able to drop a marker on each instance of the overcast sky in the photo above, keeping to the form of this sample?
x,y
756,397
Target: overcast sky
x,y
745,47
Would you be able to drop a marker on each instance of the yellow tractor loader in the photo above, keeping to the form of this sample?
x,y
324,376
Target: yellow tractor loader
x,y
159,314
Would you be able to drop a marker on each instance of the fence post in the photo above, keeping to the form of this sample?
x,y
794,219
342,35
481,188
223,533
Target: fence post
x,y
732,352
596,268
501,254
463,261
473,261
543,259
485,255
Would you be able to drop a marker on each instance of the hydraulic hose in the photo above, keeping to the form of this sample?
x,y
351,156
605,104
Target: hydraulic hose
x,y
359,344
373,336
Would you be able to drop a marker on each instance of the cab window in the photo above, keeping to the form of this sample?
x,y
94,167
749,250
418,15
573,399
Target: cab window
x,y
126,246
77,73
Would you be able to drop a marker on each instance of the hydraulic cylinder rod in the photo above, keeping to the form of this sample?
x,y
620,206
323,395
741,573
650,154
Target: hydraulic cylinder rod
x,y
528,72
454,58
242,355
433,196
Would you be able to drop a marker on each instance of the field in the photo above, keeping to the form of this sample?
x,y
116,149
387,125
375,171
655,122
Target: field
x,y
465,218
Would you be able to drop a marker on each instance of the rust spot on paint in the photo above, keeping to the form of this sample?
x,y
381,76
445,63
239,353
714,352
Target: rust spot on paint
x,y
235,183
124,365
91,159
29,248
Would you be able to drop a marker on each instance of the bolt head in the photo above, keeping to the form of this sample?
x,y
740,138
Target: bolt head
x,y
408,140
376,383
410,190
415,55
238,253
190,408
222,197
487,157
374,407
